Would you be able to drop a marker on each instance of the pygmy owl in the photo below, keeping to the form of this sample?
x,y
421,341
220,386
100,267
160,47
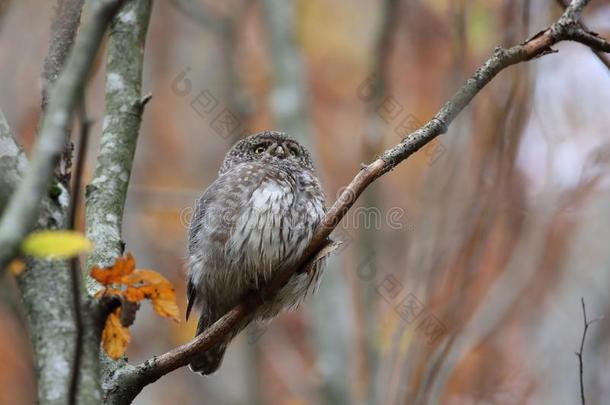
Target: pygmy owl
x,y
258,215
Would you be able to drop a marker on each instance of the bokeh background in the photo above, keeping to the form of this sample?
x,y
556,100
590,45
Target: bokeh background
x,y
462,271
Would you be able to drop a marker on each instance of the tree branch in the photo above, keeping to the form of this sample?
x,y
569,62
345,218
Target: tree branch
x,y
586,324
125,383
52,308
13,162
75,275
20,216
601,56
63,32
107,192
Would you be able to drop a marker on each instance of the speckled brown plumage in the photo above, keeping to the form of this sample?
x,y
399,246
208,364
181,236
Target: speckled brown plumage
x,y
259,214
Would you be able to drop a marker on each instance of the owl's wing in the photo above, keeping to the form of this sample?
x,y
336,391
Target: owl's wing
x,y
197,221
195,224
216,210
190,297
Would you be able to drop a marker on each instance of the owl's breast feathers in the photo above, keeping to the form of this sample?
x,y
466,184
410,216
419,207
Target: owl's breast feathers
x,y
276,223
248,223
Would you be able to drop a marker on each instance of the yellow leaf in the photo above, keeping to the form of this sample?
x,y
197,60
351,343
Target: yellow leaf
x,y
55,244
16,267
115,336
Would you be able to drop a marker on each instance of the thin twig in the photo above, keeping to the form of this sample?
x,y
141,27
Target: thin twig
x,y
129,381
85,125
601,56
75,274
78,324
579,354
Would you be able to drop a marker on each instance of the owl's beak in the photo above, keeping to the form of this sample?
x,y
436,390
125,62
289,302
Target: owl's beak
x,y
280,152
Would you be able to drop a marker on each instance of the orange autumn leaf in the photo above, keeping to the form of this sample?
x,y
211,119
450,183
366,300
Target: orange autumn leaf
x,y
133,285
115,336
162,296
137,285
166,306
153,286
123,266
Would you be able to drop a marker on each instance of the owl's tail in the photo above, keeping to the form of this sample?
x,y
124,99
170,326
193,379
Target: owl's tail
x,y
208,362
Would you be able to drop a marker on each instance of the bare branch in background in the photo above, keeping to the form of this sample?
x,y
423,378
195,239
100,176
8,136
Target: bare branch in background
x,y
85,123
4,6
20,216
199,13
288,98
128,381
63,31
13,162
586,324
75,275
600,55
45,286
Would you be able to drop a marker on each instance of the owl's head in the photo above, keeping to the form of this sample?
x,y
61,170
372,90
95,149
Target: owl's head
x,y
269,147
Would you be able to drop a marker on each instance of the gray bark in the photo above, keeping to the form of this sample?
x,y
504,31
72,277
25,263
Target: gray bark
x,y
107,192
19,218
13,162
46,285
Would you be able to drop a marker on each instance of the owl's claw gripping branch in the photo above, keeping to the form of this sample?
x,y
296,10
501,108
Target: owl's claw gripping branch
x,y
127,382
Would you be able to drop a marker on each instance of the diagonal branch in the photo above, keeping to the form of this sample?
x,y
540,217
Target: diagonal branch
x,y
127,382
63,31
20,216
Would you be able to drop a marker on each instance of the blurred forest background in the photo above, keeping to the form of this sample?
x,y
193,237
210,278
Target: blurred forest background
x,y
462,271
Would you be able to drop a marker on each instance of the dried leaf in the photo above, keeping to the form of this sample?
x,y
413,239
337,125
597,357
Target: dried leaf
x,y
55,244
123,266
167,307
115,336
132,285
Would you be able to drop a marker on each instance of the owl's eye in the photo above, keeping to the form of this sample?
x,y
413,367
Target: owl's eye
x,y
259,150
294,151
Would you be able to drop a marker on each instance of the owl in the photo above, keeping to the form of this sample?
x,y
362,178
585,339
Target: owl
x,y
258,215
